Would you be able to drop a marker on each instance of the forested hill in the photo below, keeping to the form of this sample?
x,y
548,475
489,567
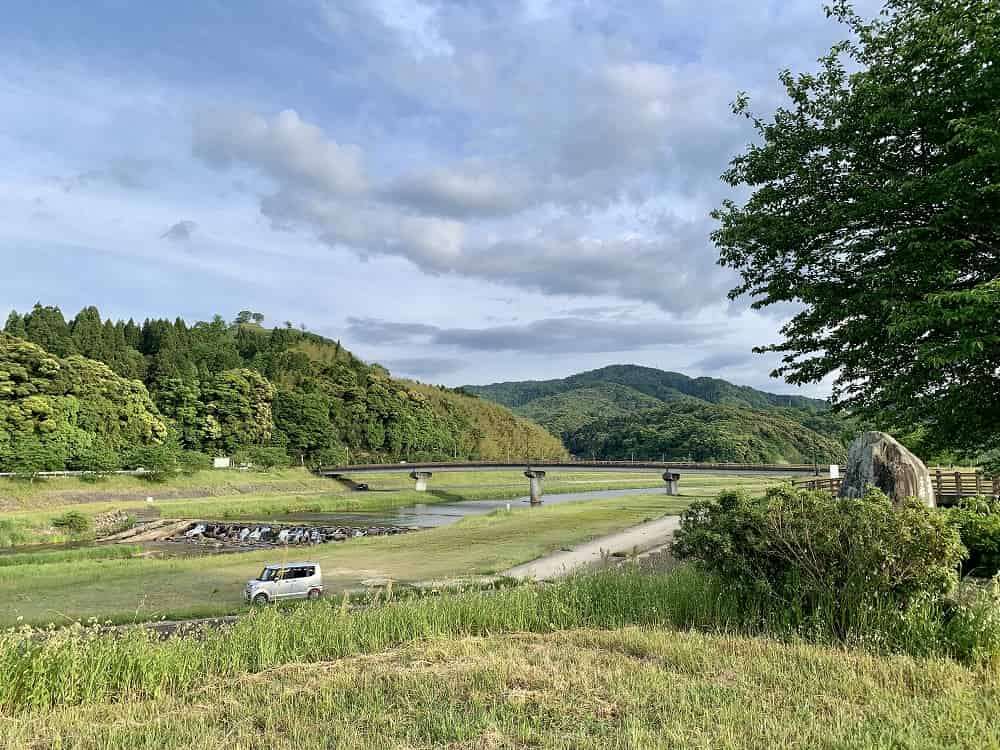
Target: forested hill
x,y
94,393
622,411
659,384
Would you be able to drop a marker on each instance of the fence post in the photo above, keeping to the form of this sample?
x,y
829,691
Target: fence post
x,y
958,485
937,484
979,483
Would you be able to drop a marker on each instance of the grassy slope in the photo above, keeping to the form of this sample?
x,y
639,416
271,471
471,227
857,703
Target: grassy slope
x,y
628,688
146,589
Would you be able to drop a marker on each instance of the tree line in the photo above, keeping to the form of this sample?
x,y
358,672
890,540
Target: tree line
x,y
92,392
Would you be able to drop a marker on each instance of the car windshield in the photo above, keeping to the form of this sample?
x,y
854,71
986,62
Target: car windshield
x,y
269,574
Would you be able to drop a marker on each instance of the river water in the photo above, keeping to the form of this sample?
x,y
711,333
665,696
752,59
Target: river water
x,y
431,515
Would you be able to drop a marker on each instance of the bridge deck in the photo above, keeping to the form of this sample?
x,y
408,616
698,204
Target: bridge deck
x,y
777,469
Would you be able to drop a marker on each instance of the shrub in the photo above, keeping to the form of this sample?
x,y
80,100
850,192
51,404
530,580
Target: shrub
x,y
978,522
73,522
159,461
191,462
813,554
263,458
97,460
335,456
11,533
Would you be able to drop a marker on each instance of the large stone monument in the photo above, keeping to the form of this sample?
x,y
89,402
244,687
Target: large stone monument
x,y
876,459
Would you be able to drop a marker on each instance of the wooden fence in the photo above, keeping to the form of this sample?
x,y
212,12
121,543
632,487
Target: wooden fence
x,y
949,485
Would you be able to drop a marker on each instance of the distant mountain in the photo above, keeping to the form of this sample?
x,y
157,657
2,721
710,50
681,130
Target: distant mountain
x,y
660,384
624,410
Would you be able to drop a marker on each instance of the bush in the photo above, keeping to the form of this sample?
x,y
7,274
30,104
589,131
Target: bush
x,y
336,456
11,533
73,522
159,461
812,554
978,522
191,462
263,458
97,459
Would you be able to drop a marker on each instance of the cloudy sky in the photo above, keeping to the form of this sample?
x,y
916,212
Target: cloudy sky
x,y
463,190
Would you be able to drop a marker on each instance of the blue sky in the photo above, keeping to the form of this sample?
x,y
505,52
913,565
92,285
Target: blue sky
x,y
464,191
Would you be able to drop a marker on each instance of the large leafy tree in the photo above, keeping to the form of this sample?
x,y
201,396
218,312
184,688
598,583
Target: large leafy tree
x,y
874,204
63,412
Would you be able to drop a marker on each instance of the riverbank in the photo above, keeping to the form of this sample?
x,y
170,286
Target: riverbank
x,y
148,589
31,509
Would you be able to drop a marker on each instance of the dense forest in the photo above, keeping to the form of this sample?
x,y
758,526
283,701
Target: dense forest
x,y
658,384
91,393
621,411
691,430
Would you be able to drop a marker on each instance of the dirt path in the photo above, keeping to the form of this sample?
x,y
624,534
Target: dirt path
x,y
639,538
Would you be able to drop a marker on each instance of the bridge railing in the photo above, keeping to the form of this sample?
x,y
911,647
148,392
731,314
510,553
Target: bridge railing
x,y
579,463
949,485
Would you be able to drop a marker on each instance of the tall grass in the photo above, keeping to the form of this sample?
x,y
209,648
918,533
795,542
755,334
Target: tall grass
x,y
83,664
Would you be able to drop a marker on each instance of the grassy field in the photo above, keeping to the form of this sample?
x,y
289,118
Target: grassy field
x,y
143,589
630,688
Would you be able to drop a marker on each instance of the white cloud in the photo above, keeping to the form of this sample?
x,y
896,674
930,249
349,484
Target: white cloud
x,y
283,147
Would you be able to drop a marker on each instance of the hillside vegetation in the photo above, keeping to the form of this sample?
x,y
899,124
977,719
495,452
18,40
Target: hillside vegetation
x,y
696,431
101,394
659,384
622,411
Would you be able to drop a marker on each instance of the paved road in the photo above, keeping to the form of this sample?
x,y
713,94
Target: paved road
x,y
635,539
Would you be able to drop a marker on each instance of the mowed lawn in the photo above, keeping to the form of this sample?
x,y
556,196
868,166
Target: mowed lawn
x,y
586,689
144,589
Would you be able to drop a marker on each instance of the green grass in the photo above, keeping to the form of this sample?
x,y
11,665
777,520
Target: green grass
x,y
85,666
620,689
49,557
58,491
144,589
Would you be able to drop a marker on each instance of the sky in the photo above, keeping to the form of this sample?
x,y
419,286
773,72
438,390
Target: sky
x,y
464,191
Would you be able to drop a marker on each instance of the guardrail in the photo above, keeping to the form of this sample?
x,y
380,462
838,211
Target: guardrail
x,y
949,485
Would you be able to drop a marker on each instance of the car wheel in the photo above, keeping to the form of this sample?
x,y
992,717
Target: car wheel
x,y
314,594
260,599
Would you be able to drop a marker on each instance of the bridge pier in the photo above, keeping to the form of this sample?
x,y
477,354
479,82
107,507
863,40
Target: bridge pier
x,y
421,477
535,478
671,478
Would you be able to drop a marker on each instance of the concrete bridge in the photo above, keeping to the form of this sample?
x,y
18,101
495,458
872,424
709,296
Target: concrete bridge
x,y
535,471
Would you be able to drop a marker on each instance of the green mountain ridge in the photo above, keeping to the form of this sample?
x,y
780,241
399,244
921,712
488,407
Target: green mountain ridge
x,y
624,411
660,384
